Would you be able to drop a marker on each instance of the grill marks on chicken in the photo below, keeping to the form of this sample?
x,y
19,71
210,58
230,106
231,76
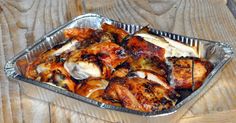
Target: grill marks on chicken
x,y
94,89
140,94
151,68
97,60
189,72
138,47
182,73
118,33
172,48
200,71
86,36
139,72
152,64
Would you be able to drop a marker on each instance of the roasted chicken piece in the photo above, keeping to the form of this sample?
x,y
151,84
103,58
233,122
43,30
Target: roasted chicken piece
x,y
31,71
86,36
189,72
201,69
94,89
140,94
138,47
97,60
89,86
152,64
109,53
49,68
64,48
182,69
118,33
55,73
121,72
172,48
151,68
45,57
146,44
79,34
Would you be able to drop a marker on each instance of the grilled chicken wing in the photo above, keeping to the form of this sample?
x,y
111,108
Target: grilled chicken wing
x,y
140,94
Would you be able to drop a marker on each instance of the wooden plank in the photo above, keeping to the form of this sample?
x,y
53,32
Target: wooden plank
x,y
9,89
62,115
34,111
21,23
218,117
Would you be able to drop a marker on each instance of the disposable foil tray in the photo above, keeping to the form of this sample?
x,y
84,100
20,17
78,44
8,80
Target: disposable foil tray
x,y
216,52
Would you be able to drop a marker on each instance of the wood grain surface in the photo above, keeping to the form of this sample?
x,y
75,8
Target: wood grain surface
x,y
24,21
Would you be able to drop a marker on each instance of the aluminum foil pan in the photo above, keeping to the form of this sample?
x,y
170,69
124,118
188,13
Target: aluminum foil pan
x,y
217,53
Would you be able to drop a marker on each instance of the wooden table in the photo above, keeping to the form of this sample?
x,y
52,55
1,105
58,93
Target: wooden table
x,y
24,21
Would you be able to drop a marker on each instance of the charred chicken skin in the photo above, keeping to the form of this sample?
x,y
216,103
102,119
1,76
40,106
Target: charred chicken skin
x,y
97,60
79,34
52,72
189,73
94,89
138,47
140,72
140,94
118,33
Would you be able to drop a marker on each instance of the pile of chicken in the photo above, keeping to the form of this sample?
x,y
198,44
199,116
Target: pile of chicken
x,y
140,71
